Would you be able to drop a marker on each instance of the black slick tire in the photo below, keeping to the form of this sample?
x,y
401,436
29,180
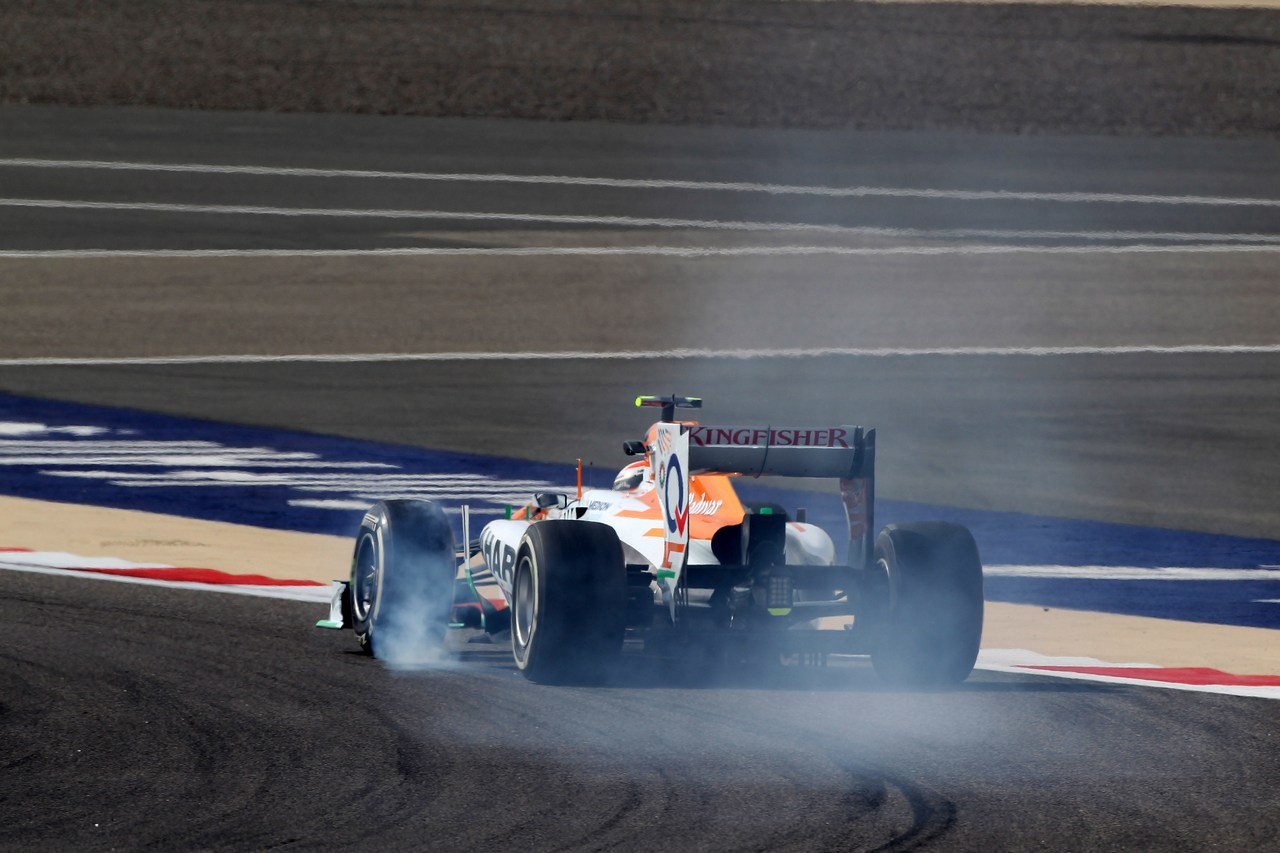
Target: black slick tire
x,y
569,601
402,580
930,610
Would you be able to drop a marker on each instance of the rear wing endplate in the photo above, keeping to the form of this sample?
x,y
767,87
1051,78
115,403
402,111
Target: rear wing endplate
x,y
845,453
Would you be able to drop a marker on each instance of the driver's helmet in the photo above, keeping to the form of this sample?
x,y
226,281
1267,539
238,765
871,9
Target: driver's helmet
x,y
631,477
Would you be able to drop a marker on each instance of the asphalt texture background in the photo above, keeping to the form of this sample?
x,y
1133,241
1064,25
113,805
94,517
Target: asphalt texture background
x,y
219,722
142,718
1168,440
1007,67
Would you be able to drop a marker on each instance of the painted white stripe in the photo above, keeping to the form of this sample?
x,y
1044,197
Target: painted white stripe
x,y
655,251
1025,657
1133,573
193,456
1016,661
495,486
98,446
331,504
160,460
26,428
477,492
635,355
510,497
642,183
368,488
65,560
309,594
249,478
363,505
1200,4
639,222
448,479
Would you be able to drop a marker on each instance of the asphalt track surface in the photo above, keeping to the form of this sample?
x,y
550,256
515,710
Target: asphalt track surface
x,y
144,718
153,718
1167,439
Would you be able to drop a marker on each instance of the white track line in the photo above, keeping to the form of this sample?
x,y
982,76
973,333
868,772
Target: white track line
x,y
1189,4
1132,573
659,251
633,222
1024,662
638,183
632,355
308,594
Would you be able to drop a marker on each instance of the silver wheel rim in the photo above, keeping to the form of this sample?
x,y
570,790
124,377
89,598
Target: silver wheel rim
x,y
883,565
525,595
366,578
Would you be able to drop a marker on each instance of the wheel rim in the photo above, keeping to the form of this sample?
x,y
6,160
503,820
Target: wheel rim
x,y
525,592
883,566
366,579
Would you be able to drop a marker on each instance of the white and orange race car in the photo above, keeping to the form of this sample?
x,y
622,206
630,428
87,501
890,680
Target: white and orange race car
x,y
672,557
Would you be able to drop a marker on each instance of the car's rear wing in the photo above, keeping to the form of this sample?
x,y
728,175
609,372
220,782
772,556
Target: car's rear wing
x,y
846,453
836,451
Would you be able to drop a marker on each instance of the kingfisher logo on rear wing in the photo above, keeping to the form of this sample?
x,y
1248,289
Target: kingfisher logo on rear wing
x,y
831,451
712,436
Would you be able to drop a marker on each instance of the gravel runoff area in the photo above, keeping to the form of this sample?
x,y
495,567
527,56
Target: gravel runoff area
x,y
979,67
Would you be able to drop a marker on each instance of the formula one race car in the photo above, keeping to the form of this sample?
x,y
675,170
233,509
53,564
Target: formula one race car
x,y
672,557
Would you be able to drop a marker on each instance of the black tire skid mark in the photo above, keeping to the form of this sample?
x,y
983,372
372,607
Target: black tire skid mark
x,y
210,746
867,804
877,811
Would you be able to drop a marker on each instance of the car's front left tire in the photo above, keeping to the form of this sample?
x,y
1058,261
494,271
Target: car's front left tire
x,y
402,581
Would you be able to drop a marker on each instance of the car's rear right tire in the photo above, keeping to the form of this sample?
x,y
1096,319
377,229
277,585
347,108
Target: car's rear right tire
x,y
930,608
569,601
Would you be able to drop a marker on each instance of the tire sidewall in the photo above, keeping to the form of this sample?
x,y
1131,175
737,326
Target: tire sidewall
x,y
390,531
364,619
577,577
524,643
931,611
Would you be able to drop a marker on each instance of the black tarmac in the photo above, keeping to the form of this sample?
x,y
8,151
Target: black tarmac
x,y
142,718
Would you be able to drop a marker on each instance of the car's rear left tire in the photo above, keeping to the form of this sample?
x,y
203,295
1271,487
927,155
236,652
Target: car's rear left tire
x,y
568,606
